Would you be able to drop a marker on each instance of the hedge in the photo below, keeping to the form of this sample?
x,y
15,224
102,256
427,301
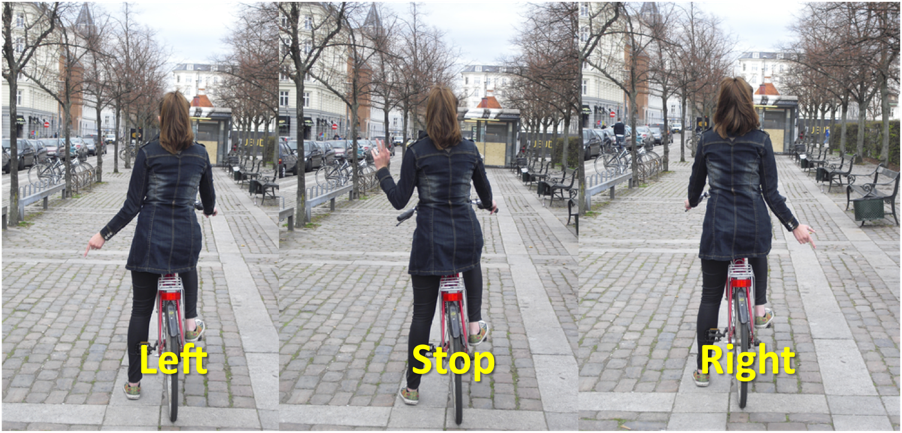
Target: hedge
x,y
873,139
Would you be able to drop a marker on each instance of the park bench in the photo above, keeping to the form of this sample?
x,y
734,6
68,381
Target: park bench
x,y
289,215
873,191
571,203
519,164
817,161
34,197
835,173
5,210
260,188
562,185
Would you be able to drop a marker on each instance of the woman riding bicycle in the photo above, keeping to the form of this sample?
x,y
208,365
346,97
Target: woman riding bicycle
x,y
448,238
167,175
738,161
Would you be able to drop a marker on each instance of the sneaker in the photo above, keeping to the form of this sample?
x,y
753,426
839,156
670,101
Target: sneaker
x,y
764,321
193,336
132,392
701,379
409,397
475,339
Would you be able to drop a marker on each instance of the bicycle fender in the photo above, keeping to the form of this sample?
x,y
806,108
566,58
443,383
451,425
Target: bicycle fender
x,y
172,319
743,307
455,321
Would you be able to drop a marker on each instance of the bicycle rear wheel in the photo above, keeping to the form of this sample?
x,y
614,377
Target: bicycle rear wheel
x,y
454,321
171,381
741,333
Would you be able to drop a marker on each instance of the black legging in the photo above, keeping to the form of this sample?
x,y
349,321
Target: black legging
x,y
425,295
714,278
144,285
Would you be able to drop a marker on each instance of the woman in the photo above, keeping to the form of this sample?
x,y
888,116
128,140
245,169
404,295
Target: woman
x,y
167,175
448,238
738,161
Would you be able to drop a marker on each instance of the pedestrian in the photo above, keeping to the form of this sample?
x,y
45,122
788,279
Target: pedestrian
x,y
827,136
448,238
167,174
619,132
737,159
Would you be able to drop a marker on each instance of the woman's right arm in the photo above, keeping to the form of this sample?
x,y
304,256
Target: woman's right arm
x,y
137,190
767,172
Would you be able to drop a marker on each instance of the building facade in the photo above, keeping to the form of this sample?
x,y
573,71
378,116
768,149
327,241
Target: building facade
x,y
478,81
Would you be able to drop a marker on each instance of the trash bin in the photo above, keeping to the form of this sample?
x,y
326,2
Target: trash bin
x,y
868,208
255,187
803,162
821,175
542,188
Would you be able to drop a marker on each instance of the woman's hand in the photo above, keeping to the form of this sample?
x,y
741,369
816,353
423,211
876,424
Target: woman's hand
x,y
803,234
494,207
382,157
215,212
686,204
95,243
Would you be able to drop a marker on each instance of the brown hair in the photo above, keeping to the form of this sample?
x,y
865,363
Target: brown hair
x,y
735,114
441,117
175,123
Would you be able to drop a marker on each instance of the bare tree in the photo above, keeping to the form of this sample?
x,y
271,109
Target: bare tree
x,y
34,29
306,31
98,87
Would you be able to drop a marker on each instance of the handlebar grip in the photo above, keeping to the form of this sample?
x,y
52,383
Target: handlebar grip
x,y
407,214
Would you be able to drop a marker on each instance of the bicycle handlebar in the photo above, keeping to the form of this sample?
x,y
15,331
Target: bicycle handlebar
x,y
409,213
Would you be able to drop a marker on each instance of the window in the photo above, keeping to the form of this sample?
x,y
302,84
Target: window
x,y
18,97
284,20
20,45
466,80
585,87
755,68
308,22
178,78
479,69
754,55
308,46
20,20
743,67
584,10
306,99
106,120
583,34
190,66
283,99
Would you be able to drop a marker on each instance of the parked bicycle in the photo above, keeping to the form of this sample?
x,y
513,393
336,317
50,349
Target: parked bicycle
x,y
454,324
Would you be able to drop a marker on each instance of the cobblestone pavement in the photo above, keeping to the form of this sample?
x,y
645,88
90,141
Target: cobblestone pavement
x,y
345,309
65,320
837,307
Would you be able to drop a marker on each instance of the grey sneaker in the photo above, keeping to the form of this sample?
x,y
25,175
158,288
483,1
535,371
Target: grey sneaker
x,y
194,336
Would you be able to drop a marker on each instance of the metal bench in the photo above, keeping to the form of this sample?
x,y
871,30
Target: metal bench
x,y
870,191
835,173
29,195
289,215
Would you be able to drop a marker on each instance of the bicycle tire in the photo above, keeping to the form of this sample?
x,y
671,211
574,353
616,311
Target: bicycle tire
x,y
171,382
742,329
39,175
453,309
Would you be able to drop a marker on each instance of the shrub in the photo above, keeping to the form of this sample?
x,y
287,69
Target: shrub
x,y
873,140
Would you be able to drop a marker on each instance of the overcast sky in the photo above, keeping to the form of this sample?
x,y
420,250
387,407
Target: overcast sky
x,y
760,25
192,30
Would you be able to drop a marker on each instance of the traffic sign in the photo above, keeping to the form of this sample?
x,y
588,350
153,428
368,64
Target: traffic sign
x,y
46,124
334,126
612,115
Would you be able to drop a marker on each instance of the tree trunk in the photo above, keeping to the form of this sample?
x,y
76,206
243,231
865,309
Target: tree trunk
x,y
300,216
884,106
665,132
683,125
116,138
128,136
99,146
842,134
862,112
554,135
13,209
406,110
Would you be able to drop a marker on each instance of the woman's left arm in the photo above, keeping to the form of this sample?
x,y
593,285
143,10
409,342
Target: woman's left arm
x,y
137,190
399,194
207,193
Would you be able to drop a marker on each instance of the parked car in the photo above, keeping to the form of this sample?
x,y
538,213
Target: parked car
x,y
313,156
676,128
90,146
336,147
25,152
656,134
40,151
592,142
109,138
288,161
51,145
397,141
643,133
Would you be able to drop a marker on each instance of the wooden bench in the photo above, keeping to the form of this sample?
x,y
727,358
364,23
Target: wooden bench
x,y
875,190
289,215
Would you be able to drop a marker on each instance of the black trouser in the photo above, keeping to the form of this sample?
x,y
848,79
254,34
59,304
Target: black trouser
x,y
714,279
425,295
144,285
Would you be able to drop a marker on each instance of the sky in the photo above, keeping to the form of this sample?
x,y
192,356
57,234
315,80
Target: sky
x,y
482,31
762,25
192,30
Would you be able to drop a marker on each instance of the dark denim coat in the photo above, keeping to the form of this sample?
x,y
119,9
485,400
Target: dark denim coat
x,y
742,177
162,190
448,237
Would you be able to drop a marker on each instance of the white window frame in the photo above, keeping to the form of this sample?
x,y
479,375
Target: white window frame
x,y
585,87
20,20
308,22
283,98
583,10
306,99
18,97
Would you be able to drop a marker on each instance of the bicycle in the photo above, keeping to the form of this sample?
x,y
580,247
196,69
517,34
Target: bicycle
x,y
47,172
170,332
454,324
740,330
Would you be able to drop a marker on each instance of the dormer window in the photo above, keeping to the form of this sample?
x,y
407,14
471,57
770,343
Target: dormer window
x,y
754,55
479,69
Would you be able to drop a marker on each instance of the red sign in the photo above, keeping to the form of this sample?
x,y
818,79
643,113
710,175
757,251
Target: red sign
x,y
612,115
46,124
334,126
